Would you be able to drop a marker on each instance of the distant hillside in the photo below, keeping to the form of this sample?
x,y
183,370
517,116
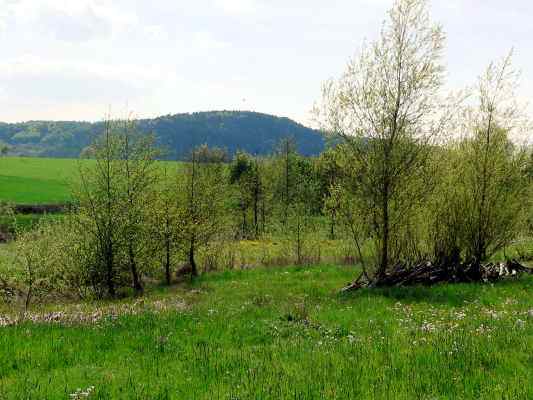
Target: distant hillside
x,y
234,130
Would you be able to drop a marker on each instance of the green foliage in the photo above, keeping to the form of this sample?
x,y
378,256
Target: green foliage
x,y
482,209
246,177
113,205
41,268
177,134
202,207
165,224
387,109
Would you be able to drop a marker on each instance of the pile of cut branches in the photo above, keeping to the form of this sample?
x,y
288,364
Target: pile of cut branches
x,y
427,273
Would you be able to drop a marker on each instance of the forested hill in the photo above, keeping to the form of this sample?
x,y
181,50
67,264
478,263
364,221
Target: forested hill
x,y
234,130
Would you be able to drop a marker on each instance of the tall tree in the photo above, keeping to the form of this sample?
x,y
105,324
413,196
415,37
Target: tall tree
x,y
330,176
286,154
245,176
98,206
166,224
137,178
385,108
492,184
112,202
203,212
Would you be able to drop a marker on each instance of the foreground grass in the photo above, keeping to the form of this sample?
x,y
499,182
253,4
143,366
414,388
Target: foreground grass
x,y
285,333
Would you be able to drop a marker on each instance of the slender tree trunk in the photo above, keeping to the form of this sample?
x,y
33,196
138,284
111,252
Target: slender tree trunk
x,y
286,210
108,235
192,262
385,239
481,234
332,226
28,299
192,210
167,261
109,270
243,229
256,205
137,284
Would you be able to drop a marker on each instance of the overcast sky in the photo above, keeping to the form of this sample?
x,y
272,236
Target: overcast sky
x,y
76,59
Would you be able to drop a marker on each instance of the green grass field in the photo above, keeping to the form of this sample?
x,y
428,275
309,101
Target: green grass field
x,y
25,180
278,334
36,180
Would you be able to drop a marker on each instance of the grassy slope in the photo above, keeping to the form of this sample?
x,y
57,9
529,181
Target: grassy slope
x,y
285,333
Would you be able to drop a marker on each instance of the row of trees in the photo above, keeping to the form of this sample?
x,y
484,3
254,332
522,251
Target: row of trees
x,y
134,218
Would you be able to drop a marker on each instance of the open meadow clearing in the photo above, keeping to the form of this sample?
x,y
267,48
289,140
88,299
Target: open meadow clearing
x,y
279,333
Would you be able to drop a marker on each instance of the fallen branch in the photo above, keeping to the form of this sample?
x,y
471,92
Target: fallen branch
x,y
427,273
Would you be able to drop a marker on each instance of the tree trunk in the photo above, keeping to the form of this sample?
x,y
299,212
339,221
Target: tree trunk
x,y
243,229
256,221
332,226
385,239
167,261
192,262
109,271
298,241
137,284
286,209
27,302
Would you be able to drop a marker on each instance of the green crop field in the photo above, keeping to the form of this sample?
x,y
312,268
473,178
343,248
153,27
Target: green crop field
x,y
279,333
25,180
36,180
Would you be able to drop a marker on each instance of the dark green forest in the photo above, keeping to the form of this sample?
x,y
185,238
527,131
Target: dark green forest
x,y
177,134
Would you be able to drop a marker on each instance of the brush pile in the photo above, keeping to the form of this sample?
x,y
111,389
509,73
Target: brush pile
x,y
427,273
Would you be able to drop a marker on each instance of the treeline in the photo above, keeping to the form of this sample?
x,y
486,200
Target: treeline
x,y
252,132
134,218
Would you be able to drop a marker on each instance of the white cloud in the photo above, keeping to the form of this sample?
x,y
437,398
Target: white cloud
x,y
156,32
205,41
31,87
71,20
237,7
29,65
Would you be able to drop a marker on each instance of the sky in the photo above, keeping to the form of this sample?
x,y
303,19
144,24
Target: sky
x,y
82,59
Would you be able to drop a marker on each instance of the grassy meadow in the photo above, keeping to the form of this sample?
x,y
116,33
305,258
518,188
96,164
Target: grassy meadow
x,y
279,333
